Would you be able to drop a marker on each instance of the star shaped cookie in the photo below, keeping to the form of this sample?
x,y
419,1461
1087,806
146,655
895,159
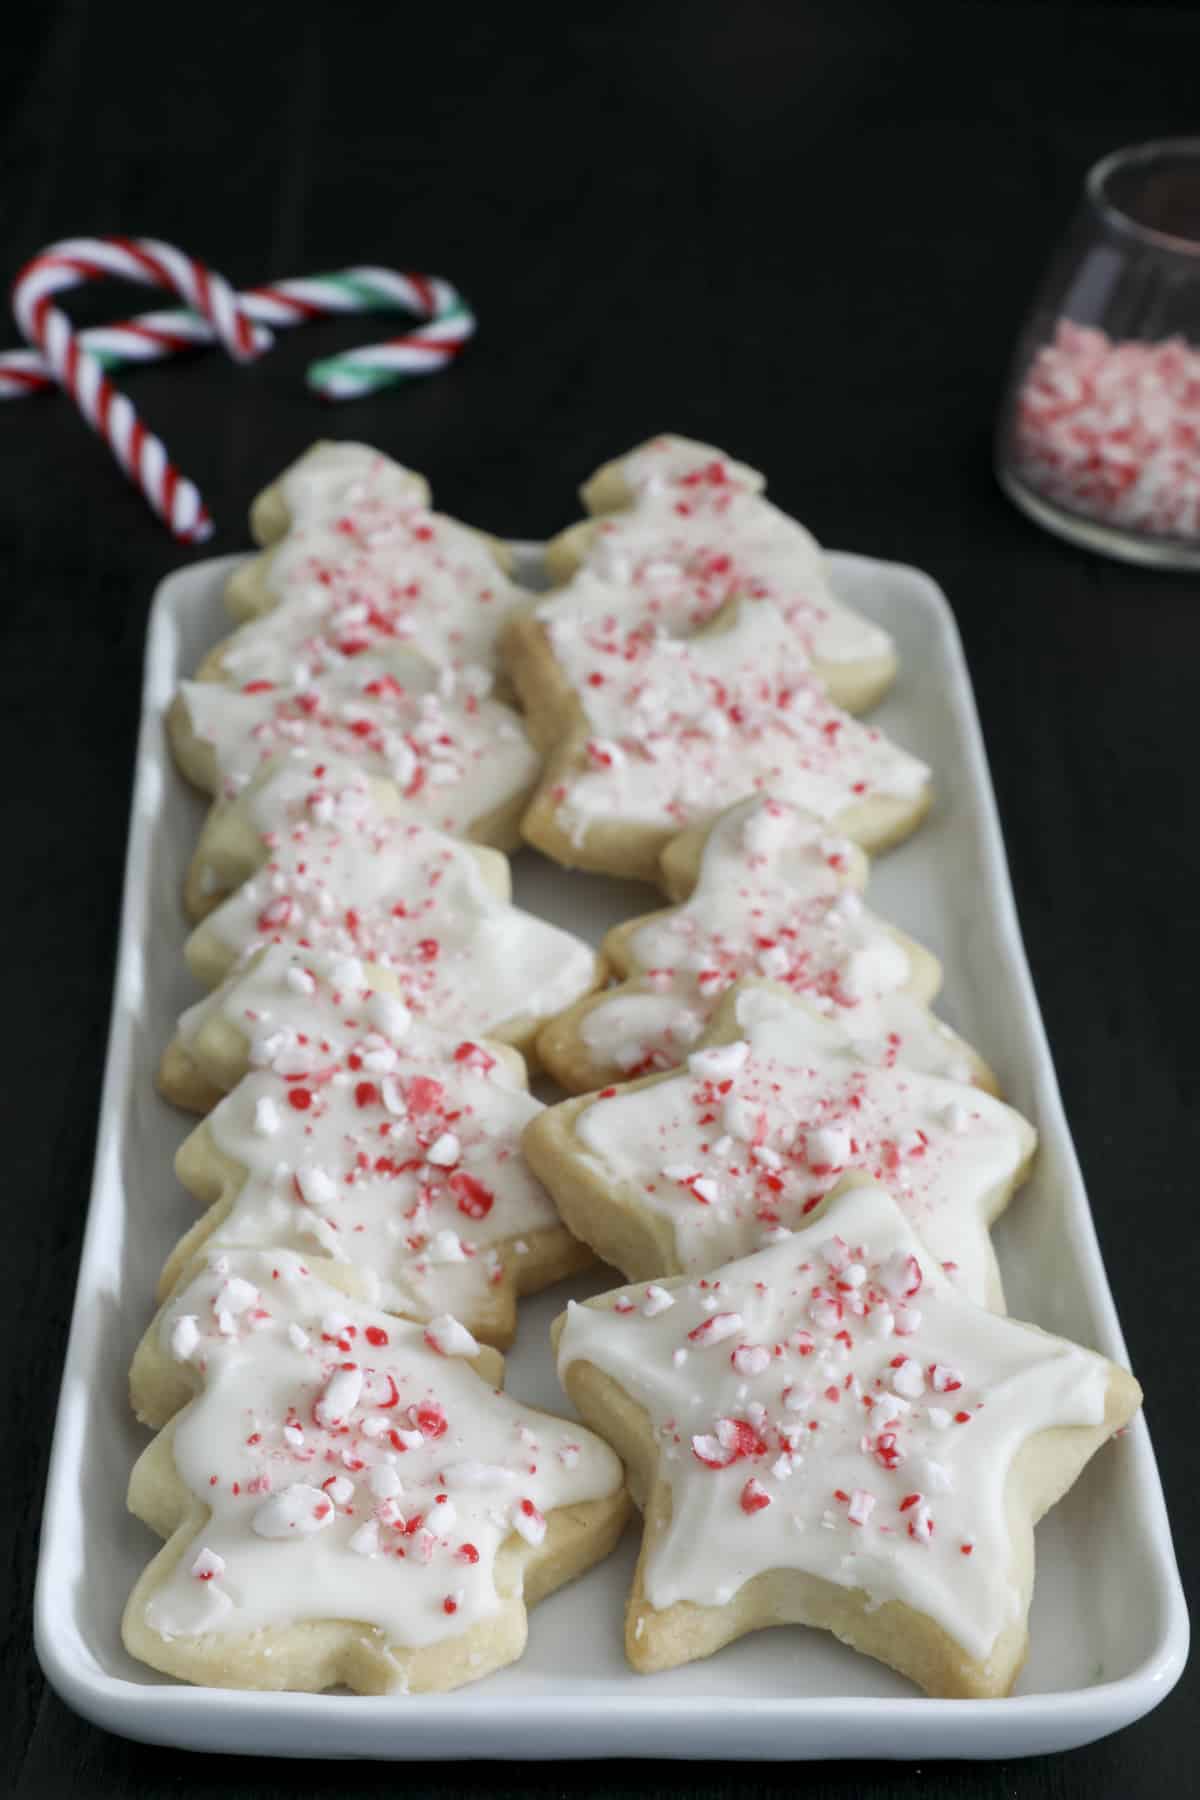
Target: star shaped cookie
x,y
830,1433
347,1498
679,1173
768,891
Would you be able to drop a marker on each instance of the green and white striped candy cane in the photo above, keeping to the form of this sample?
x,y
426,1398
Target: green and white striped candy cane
x,y
448,324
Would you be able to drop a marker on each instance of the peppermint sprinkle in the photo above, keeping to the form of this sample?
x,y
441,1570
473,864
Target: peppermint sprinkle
x,y
657,1300
716,1329
185,1335
297,1511
445,1335
528,1522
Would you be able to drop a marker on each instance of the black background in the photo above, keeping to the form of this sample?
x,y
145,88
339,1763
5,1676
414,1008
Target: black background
x,y
805,232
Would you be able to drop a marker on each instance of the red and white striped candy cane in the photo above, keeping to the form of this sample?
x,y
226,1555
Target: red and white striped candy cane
x,y
142,455
449,323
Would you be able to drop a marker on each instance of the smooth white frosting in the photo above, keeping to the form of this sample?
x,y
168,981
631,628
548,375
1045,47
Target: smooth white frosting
x,y
774,898
339,474
302,1388
749,1137
779,1407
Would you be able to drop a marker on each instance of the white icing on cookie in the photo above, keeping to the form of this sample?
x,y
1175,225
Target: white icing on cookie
x,y
834,1404
404,1162
391,890
773,899
455,756
367,563
682,728
667,463
750,1137
334,476
321,1440
286,998
681,557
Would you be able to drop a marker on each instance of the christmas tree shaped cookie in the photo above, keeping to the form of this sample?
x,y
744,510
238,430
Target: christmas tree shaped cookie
x,y
331,476
681,1172
662,466
649,733
460,758
393,1150
768,891
382,886
358,560
830,1433
284,999
346,1498
692,533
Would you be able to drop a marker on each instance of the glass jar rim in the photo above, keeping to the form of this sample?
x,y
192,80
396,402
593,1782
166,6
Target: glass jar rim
x,y
1115,216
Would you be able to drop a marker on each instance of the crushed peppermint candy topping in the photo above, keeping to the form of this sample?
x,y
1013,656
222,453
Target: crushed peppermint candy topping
x,y
449,1338
1111,428
528,1522
207,1565
297,1511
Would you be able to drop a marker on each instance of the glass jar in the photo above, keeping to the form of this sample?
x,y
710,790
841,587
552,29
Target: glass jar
x,y
1099,436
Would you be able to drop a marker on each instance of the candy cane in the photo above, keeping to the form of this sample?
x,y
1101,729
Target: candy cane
x,y
142,455
152,336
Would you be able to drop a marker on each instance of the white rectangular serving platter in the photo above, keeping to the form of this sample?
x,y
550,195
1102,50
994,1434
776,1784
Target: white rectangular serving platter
x,y
1109,1625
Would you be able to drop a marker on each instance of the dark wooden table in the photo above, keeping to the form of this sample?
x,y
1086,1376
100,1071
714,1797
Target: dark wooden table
x,y
805,232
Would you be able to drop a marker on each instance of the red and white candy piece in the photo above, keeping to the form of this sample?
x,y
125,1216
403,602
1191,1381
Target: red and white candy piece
x,y
143,456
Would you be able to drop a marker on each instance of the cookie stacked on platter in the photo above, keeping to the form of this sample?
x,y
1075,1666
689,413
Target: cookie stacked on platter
x,y
824,1415
346,1494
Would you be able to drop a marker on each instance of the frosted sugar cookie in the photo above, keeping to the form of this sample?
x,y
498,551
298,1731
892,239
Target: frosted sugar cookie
x,y
462,759
283,1000
678,1173
363,562
284,802
830,1433
695,536
393,1150
768,891
661,465
329,477
347,1498
651,734
384,887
